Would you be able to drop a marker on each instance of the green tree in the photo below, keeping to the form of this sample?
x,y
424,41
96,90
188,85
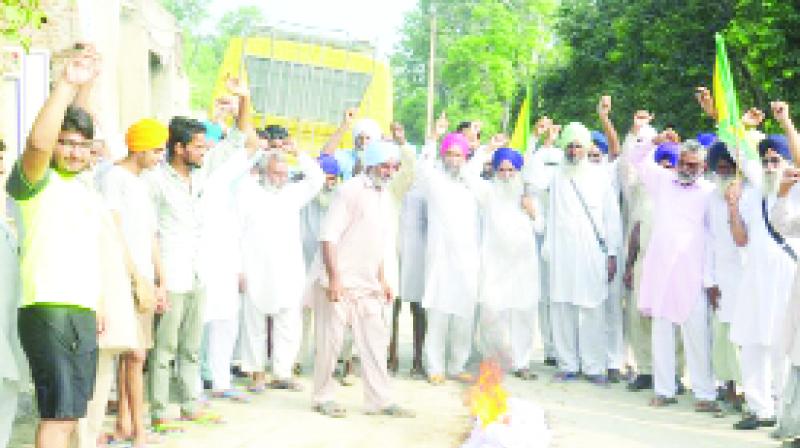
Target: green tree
x,y
486,52
18,19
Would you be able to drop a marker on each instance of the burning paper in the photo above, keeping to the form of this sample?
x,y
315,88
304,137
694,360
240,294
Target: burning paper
x,y
500,421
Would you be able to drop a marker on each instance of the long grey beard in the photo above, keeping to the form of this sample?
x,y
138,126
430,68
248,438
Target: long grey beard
x,y
577,169
511,189
324,198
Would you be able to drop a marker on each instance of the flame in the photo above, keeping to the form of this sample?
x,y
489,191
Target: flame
x,y
488,400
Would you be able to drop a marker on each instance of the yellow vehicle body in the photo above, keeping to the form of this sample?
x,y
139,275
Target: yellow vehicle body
x,y
306,85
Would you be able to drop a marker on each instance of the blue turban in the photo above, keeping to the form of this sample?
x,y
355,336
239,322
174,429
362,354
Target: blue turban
x,y
706,139
599,139
777,143
379,151
329,165
668,151
213,131
509,154
717,152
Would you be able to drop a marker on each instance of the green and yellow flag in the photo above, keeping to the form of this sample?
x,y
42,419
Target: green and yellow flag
x,y
730,128
522,129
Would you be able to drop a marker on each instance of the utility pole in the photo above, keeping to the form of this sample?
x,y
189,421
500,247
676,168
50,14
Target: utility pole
x,y
431,61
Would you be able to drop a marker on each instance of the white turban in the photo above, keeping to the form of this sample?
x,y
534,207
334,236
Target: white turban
x,y
368,127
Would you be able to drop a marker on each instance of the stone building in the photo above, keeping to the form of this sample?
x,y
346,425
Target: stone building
x,y
140,43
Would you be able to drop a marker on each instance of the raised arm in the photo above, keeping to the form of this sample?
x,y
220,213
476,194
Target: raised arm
x,y
336,138
604,112
244,119
312,182
733,197
780,110
782,217
79,72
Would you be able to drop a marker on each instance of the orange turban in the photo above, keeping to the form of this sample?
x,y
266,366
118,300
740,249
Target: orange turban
x,y
146,135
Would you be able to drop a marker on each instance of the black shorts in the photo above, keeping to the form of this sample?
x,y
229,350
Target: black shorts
x,y
61,345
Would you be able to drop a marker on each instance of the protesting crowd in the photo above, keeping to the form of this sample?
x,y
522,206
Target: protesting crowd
x,y
214,249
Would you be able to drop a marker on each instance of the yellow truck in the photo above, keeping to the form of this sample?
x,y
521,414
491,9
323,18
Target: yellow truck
x,y
305,82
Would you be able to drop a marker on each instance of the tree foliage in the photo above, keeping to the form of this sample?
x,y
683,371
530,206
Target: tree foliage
x,y
645,53
18,19
486,50
203,52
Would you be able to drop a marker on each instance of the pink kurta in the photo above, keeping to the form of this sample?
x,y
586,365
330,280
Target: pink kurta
x,y
672,269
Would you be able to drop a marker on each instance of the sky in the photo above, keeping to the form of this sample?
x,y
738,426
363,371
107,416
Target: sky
x,y
377,21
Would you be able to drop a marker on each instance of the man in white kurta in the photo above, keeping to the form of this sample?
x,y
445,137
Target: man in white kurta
x,y
509,276
452,260
581,245
273,264
539,173
764,289
725,262
353,240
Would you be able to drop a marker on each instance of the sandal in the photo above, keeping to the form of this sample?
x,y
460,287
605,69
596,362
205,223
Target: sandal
x,y
394,411
707,406
167,427
285,385
464,377
231,394
526,374
331,409
203,418
257,388
436,380
417,373
660,401
346,380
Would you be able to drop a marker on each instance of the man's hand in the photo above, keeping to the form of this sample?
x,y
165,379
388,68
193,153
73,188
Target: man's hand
x,y
497,141
733,194
386,292
162,302
706,101
334,289
612,268
627,278
790,177
82,68
552,134
641,119
668,136
529,206
236,86
541,126
604,107
780,110
753,118
242,284
441,125
100,320
290,147
713,295
399,134
349,118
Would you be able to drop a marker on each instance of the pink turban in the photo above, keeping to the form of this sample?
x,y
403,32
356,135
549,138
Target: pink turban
x,y
457,140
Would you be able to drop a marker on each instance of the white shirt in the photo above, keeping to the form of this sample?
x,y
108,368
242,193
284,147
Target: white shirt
x,y
128,196
725,260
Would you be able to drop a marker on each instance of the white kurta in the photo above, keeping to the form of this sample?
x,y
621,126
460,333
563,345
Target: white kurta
x,y
578,267
413,237
452,257
270,238
509,276
725,260
766,279
311,218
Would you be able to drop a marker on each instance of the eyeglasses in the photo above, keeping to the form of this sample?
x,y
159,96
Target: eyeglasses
x,y
505,170
574,146
75,143
766,161
593,156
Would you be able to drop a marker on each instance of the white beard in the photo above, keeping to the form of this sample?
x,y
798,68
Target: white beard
x,y
511,189
573,170
772,182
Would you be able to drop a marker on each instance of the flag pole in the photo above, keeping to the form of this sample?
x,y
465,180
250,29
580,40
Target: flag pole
x,y
431,61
